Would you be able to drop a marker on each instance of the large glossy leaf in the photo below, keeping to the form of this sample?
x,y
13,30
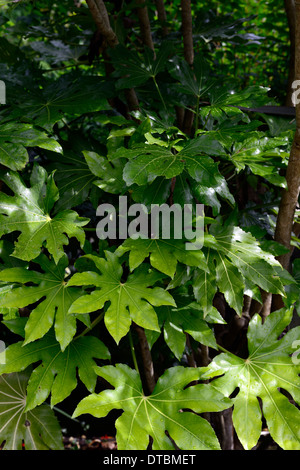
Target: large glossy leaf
x,y
14,140
37,429
69,94
267,374
132,300
187,318
264,156
226,99
138,69
192,160
146,162
194,80
48,285
57,371
236,258
110,174
28,212
56,51
162,411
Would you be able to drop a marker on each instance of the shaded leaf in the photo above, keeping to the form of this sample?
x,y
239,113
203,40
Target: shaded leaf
x,y
38,429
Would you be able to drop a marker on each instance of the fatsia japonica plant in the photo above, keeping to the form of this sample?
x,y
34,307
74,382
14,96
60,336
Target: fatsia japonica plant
x,y
190,335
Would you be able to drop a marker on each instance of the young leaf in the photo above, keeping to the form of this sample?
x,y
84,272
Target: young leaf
x,y
57,372
38,429
56,298
267,373
132,300
29,211
153,415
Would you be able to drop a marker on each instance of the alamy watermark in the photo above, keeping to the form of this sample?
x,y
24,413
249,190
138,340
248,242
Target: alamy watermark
x,y
296,92
161,221
295,358
2,92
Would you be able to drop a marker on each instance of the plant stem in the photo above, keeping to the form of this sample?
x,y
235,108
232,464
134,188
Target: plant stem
x,y
160,95
223,349
145,27
146,358
133,352
93,324
58,410
289,199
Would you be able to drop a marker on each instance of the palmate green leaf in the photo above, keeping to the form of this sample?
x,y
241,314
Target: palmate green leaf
x,y
146,416
266,374
110,173
28,212
56,51
205,288
225,28
148,162
264,156
187,317
38,429
74,179
7,261
164,254
234,257
137,69
225,99
132,300
154,193
69,94
49,287
15,137
57,372
194,80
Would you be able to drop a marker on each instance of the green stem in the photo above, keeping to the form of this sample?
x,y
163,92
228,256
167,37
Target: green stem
x,y
224,350
93,324
160,95
133,352
58,410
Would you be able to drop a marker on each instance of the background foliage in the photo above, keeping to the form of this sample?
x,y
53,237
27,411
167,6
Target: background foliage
x,y
169,347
